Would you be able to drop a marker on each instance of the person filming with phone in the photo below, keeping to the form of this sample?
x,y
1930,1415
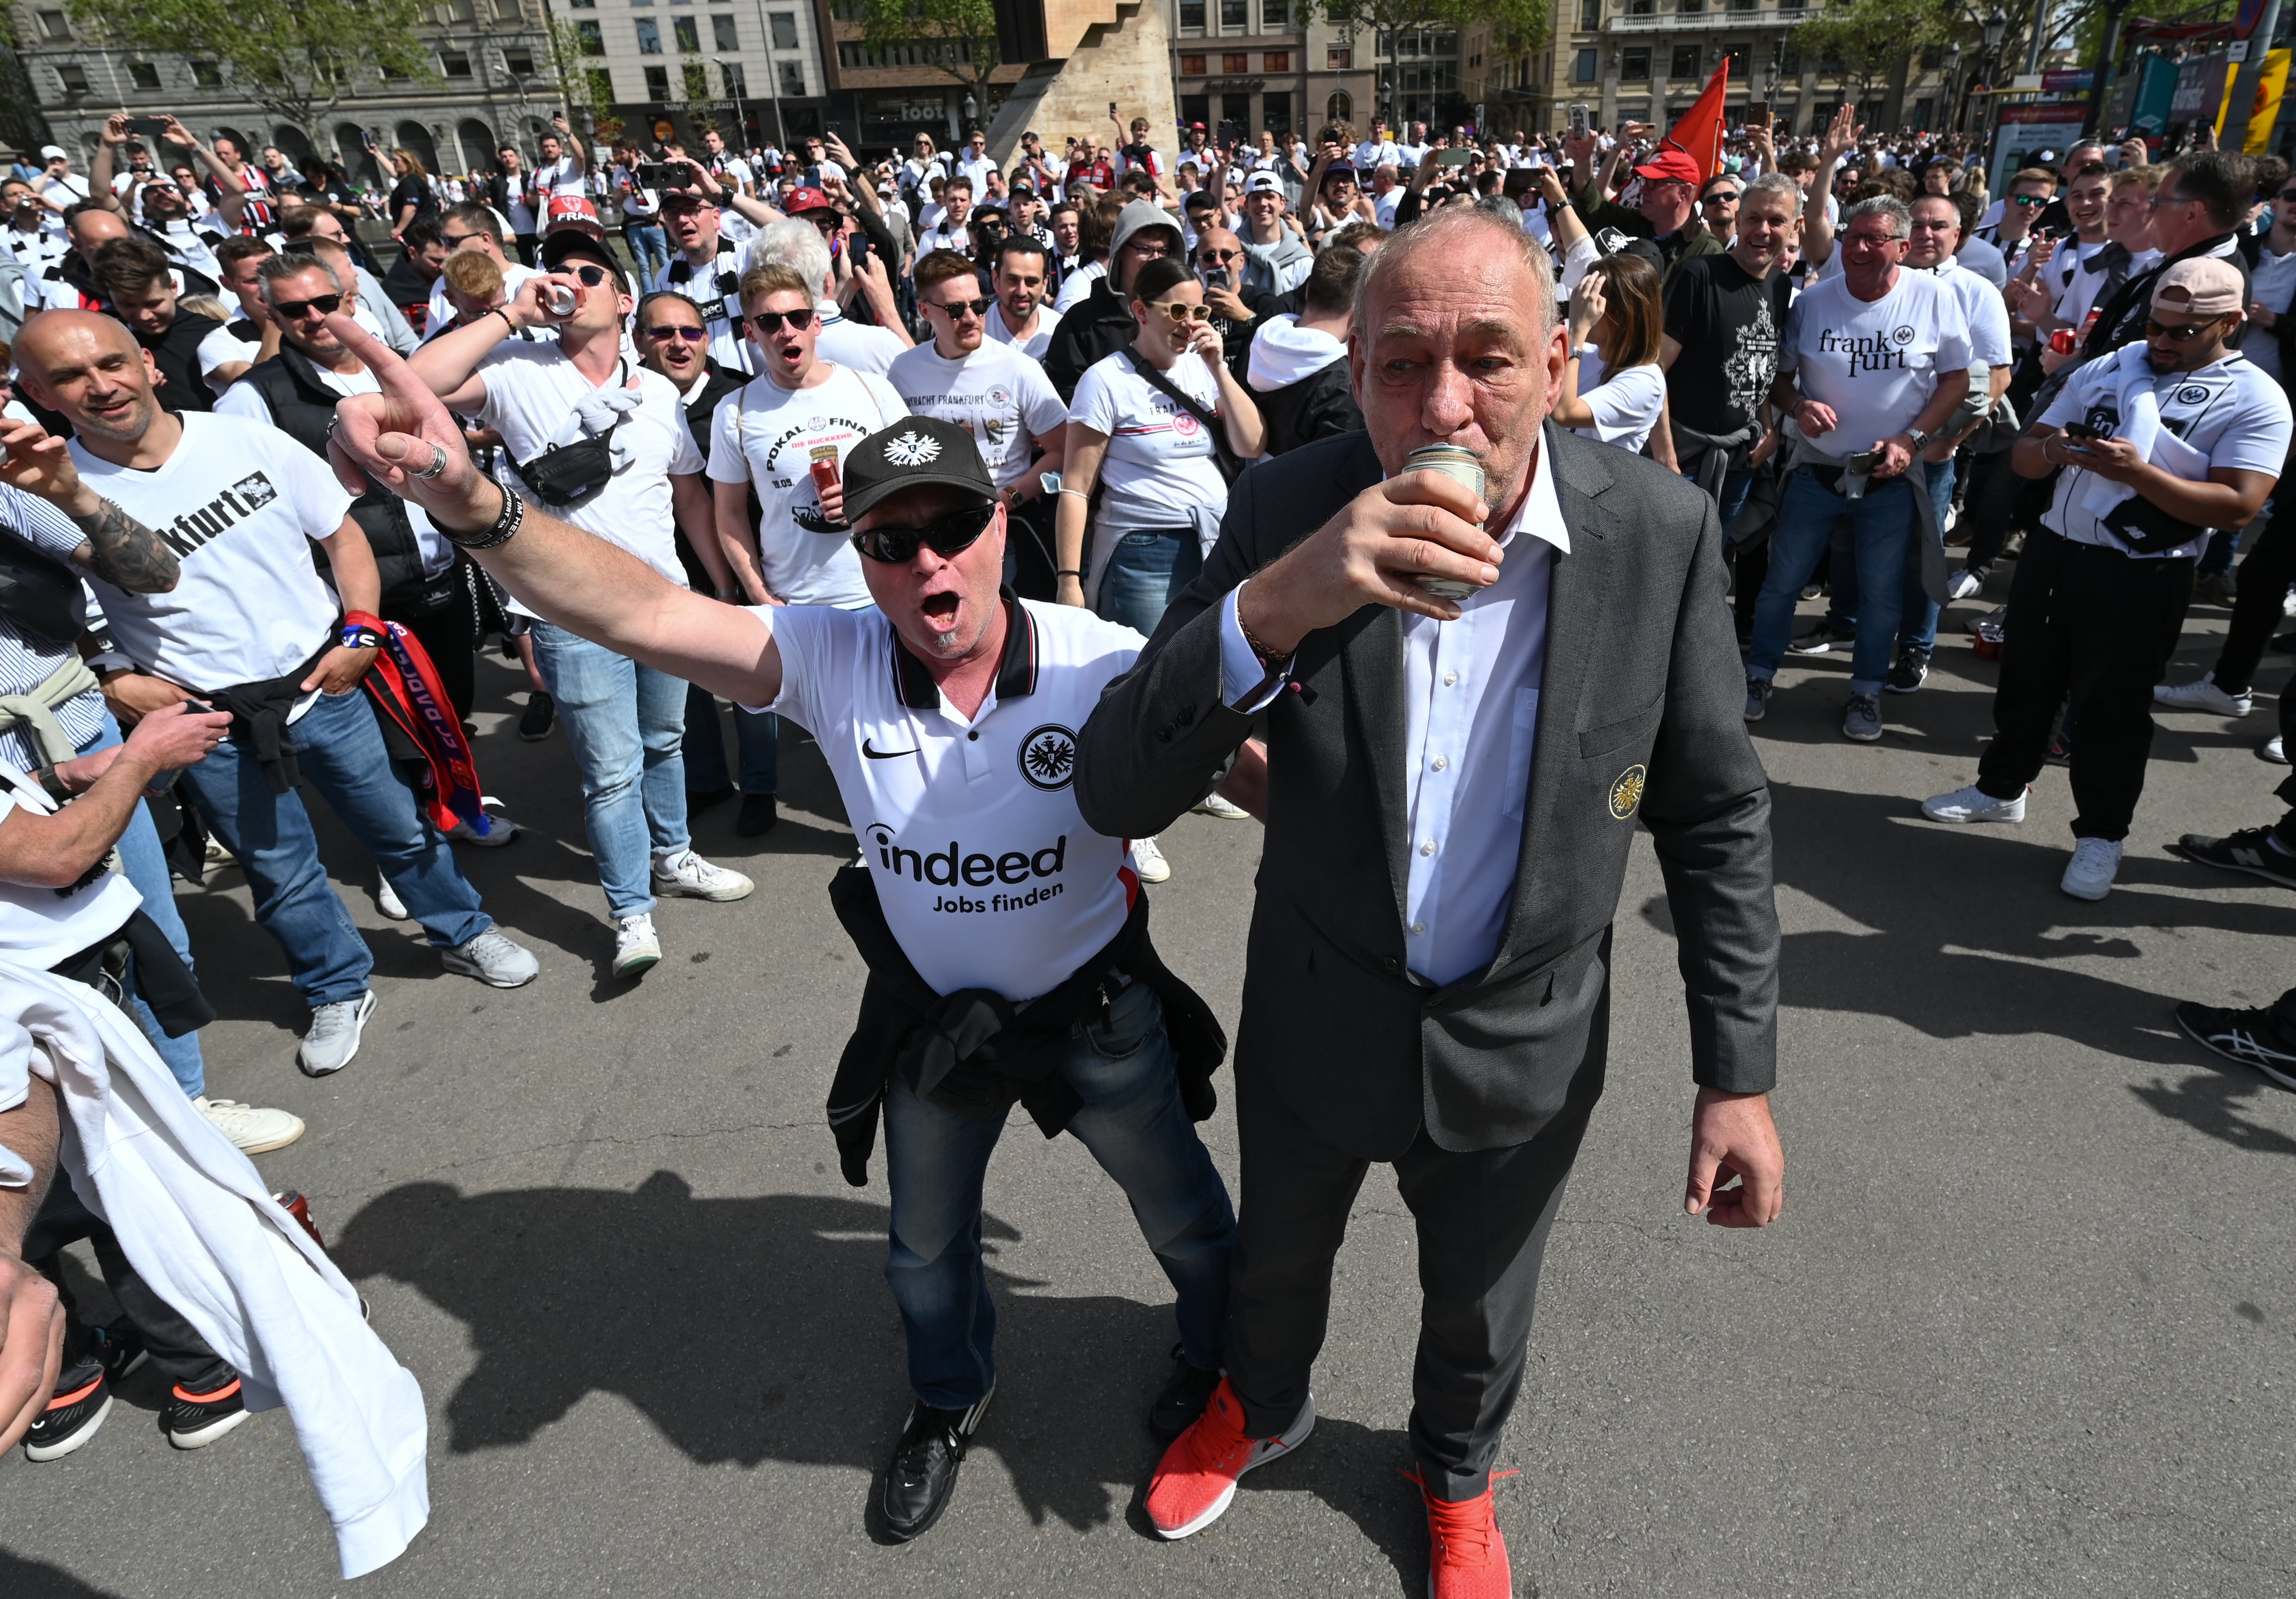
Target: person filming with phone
x,y
2153,445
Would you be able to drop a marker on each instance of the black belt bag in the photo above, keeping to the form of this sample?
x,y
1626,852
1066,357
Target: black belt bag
x,y
566,473
2146,529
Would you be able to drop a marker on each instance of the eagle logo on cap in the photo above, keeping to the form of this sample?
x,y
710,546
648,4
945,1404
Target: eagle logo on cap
x,y
913,449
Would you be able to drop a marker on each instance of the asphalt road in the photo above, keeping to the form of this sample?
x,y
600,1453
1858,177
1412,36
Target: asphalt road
x,y
2023,1329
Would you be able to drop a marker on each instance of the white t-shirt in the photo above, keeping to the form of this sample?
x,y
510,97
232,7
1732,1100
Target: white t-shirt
x,y
39,926
1625,404
1986,313
988,874
531,391
996,394
769,436
240,502
245,400
564,175
1875,363
1160,460
2273,286
1077,285
979,172
221,348
859,344
523,222
1048,320
2228,412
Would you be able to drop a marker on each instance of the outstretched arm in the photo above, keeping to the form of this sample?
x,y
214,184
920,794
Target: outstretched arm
x,y
581,583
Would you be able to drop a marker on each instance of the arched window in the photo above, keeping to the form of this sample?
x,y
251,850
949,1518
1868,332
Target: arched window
x,y
1339,108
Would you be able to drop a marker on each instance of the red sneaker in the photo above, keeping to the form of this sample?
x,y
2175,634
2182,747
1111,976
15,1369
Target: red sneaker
x,y
1467,1558
1196,1478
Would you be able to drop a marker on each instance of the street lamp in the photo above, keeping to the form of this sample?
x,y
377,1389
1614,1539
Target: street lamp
x,y
733,87
971,108
1995,25
773,79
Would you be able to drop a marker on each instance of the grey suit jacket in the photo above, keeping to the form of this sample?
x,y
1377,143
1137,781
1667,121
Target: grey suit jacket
x,y
1639,715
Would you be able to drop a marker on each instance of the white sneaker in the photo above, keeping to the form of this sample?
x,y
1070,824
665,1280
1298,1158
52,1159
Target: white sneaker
x,y
686,873
1962,585
2200,694
2089,874
1214,805
635,945
492,957
254,1129
386,901
2270,750
333,1035
1150,861
1971,804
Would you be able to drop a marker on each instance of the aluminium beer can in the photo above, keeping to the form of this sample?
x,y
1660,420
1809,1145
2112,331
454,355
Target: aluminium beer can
x,y
1460,466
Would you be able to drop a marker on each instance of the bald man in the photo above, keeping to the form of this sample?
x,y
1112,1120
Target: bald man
x,y
1421,988
250,628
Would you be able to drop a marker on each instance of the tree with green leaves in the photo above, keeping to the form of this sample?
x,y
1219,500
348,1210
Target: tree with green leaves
x,y
955,38
296,59
1871,39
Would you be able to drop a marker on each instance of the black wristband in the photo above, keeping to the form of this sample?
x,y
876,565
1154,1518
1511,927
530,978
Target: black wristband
x,y
503,527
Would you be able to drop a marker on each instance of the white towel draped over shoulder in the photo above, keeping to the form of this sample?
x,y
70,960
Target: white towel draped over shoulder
x,y
198,1223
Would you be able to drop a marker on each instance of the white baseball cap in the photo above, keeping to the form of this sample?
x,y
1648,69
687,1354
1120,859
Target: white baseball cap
x,y
1263,182
54,153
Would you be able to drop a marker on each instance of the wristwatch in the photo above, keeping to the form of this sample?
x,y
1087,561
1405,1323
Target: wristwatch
x,y
1919,440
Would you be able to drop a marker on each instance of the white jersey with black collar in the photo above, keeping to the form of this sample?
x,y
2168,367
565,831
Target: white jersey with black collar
x,y
987,871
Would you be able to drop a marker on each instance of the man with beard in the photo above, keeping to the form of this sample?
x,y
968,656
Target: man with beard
x,y
2152,446
1021,317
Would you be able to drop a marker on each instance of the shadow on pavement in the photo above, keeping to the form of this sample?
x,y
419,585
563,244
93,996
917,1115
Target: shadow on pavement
x,y
753,1329
21,1578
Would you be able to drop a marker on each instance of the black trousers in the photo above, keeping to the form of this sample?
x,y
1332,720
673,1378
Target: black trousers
x,y
1482,1219
439,616
2100,626
175,1347
2264,579
1995,503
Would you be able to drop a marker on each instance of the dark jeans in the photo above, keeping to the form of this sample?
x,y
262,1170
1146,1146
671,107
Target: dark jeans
x,y
2264,579
757,738
175,1346
1482,1219
2100,626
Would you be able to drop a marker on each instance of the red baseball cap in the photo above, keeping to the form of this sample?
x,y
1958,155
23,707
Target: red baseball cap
x,y
801,201
1672,165
571,213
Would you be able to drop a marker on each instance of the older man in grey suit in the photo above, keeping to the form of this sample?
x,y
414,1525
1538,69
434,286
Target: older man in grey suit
x,y
1451,790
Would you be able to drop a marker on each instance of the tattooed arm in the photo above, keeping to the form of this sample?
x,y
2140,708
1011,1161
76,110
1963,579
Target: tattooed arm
x,y
113,544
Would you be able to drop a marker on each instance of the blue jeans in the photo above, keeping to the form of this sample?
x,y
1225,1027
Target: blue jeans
x,y
757,739
1133,1123
649,248
1917,613
627,725
1145,573
1735,486
340,748
145,865
1882,530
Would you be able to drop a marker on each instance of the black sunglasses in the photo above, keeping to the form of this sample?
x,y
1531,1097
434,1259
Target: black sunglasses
x,y
770,322
591,277
295,310
950,534
979,307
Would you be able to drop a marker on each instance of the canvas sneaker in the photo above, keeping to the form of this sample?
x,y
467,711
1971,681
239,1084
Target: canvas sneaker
x,y
636,947
2202,694
1973,804
2089,874
1228,810
254,1129
1150,861
1195,1482
685,874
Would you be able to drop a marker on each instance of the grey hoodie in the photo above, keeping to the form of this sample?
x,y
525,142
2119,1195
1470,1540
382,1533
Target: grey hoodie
x,y
1264,264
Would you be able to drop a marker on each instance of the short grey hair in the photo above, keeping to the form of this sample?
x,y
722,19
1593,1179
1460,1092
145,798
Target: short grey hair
x,y
1441,228
796,245
272,268
1899,214
1778,183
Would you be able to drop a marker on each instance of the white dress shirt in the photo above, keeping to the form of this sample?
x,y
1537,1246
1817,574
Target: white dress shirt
x,y
1471,707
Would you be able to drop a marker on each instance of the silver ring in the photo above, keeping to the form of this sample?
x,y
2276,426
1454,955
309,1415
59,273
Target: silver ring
x,y
437,465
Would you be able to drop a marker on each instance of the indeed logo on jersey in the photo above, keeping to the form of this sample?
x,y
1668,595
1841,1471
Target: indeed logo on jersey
x,y
1877,352
242,499
955,868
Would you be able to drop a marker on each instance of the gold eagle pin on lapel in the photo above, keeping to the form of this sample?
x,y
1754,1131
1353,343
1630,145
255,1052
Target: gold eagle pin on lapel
x,y
1626,792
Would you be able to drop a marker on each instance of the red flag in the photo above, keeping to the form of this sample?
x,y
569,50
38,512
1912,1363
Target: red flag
x,y
1698,133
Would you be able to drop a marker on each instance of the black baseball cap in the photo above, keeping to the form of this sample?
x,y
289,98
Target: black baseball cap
x,y
913,452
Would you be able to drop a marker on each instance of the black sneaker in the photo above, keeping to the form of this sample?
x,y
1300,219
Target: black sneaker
x,y
1186,1391
195,1421
1910,672
120,1347
2249,850
758,815
2252,1037
534,724
1823,637
69,1420
922,1474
